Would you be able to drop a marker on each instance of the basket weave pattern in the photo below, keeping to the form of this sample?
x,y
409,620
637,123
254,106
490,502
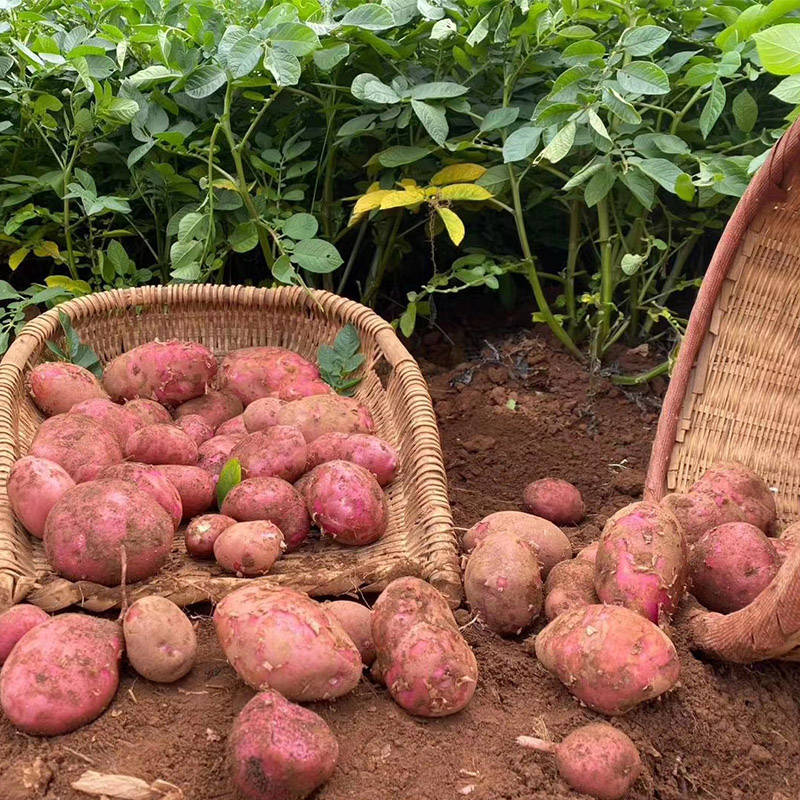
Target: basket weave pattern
x,y
420,539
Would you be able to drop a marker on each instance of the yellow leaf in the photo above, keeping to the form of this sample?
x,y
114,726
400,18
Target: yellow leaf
x,y
464,191
17,257
453,224
77,288
458,173
374,187
224,183
407,183
403,199
370,201
47,249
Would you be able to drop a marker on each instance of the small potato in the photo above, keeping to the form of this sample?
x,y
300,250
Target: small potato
x,y
160,641
202,532
195,486
15,622
277,452
569,585
56,386
214,454
589,553
161,444
553,499
149,411
34,486
320,414
249,548
370,452
150,480
121,421
232,425
214,407
195,427
262,413
357,623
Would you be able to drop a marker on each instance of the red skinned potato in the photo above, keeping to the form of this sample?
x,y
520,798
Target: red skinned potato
x,y
161,444
61,674
15,622
589,553
595,759
213,454
262,413
503,583
233,425
642,561
357,623
283,640
731,565
150,480
370,452
699,512
555,500
160,641
202,532
149,412
121,421
279,750
347,503
78,443
271,499
169,372
609,657
214,407
277,452
320,414
569,585
195,487
57,386
195,427
90,526
249,549
550,542
34,486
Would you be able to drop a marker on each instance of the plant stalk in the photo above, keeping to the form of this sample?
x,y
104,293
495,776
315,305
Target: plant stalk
x,y
606,279
572,261
642,377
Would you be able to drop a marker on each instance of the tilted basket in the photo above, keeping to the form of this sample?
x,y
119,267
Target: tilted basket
x,y
734,394
420,539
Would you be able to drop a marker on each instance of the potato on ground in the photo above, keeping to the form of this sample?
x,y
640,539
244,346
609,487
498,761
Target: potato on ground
x,y
356,619
150,480
550,542
61,674
15,622
77,443
347,503
214,454
364,449
160,641
149,412
589,553
553,499
262,413
277,452
609,657
271,499
195,486
34,485
202,532
569,585
642,561
233,425
92,524
279,750
731,565
161,444
120,420
195,427
169,372
503,583
283,640
249,549
57,386
214,407
320,414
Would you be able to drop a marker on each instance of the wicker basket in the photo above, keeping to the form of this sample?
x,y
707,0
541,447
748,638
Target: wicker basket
x,y
420,540
734,394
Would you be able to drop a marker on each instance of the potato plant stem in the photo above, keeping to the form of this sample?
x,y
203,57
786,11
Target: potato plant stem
x,y
572,260
606,279
73,270
642,377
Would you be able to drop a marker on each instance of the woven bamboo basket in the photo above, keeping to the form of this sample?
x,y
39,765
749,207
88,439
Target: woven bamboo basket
x,y
734,394
420,540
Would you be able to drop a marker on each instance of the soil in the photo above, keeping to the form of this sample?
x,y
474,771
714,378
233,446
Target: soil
x,y
515,409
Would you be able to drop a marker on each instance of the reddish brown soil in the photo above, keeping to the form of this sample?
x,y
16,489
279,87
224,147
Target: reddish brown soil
x,y
727,732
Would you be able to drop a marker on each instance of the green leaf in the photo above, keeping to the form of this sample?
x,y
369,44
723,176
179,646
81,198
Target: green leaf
x,y
347,342
668,175
400,155
498,118
779,48
437,91
300,226
443,29
204,81
230,476
295,38
244,56
599,185
713,108
642,77
316,255
244,236
370,17
619,107
184,252
631,262
521,144
479,32
328,58
787,90
359,124
72,338
285,67
408,320
138,153
645,143
597,125
583,52
284,272
700,75
494,180
644,40
119,110
583,175
193,226
82,122
367,87
565,87
152,74
433,119
559,145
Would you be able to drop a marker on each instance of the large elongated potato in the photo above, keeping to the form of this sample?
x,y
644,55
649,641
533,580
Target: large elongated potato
x,y
162,444
214,407
34,486
150,480
277,452
320,414
57,386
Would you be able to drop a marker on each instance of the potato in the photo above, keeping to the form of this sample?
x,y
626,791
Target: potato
x,y
195,486
57,386
77,443
550,542
279,750
262,413
317,415
283,640
15,622
503,583
370,452
233,425
555,500
148,411
347,503
271,499
609,657
356,620
642,561
595,759
301,484
589,553
61,674
202,532
34,485
169,372
195,427
213,454
569,585
92,524
698,512
277,452
161,444
121,421
214,407
160,641
731,565
256,372
249,548
150,480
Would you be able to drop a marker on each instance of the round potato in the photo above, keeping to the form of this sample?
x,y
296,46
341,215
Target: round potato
x,y
249,548
34,486
202,532
57,386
